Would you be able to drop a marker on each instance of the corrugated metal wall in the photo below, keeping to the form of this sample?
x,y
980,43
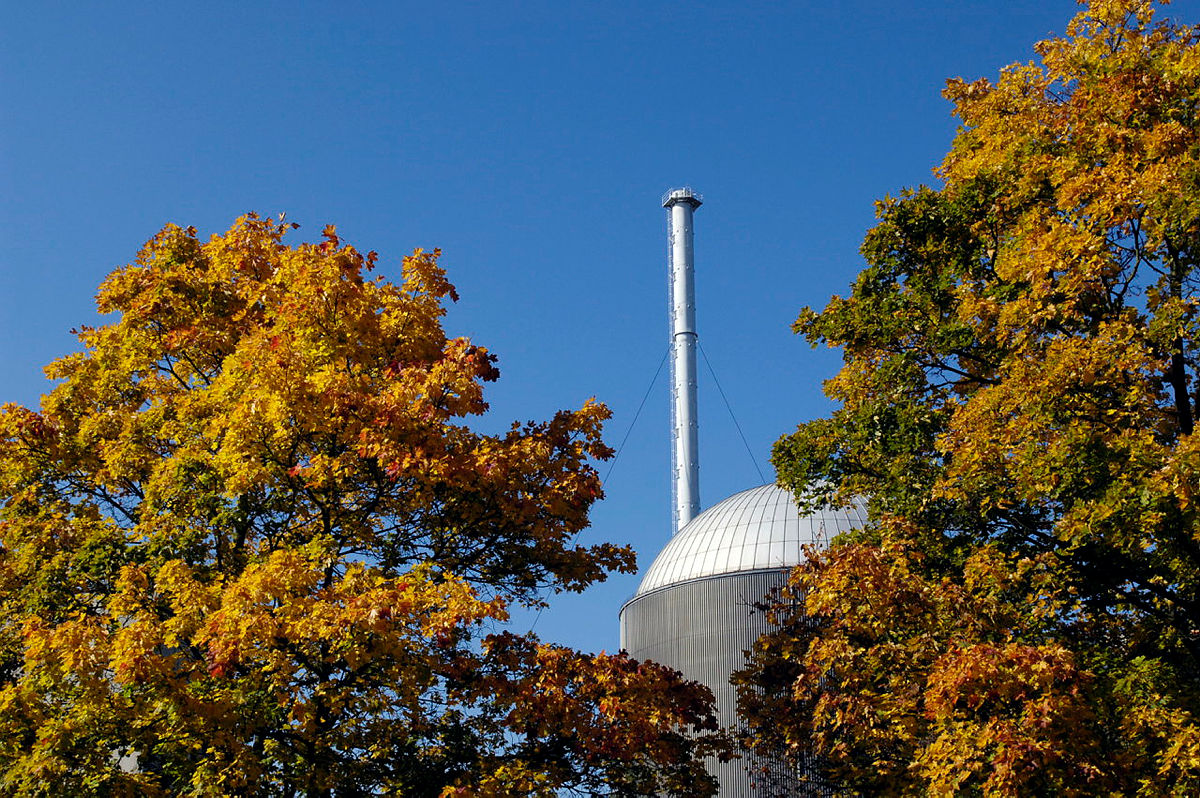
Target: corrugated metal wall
x,y
702,629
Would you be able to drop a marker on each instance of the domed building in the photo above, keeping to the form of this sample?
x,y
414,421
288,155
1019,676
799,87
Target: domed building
x,y
698,608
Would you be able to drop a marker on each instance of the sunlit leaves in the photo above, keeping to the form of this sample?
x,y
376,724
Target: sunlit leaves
x,y
251,545
1019,401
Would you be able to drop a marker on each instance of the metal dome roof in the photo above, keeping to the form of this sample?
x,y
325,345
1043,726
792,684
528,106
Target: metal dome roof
x,y
753,530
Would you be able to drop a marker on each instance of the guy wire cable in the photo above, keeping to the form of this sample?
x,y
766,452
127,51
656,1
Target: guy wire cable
x,y
728,407
621,448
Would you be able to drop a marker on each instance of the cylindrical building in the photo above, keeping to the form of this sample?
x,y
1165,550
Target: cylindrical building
x,y
698,608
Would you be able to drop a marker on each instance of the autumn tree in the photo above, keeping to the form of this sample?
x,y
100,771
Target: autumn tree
x,y
1019,401
249,545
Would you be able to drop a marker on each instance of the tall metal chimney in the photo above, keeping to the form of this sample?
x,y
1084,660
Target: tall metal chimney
x,y
685,453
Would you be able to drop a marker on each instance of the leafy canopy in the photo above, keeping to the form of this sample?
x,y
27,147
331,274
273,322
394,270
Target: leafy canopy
x,y
250,545
1019,400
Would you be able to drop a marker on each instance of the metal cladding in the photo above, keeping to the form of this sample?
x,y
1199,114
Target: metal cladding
x,y
753,530
701,628
685,452
698,608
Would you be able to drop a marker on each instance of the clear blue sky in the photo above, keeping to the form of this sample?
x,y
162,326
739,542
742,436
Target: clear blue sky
x,y
531,142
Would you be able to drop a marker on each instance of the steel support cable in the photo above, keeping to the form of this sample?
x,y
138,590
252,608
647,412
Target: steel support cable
x,y
729,407
637,414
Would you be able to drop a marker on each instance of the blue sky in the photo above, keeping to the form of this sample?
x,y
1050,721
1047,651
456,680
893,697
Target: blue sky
x,y
531,142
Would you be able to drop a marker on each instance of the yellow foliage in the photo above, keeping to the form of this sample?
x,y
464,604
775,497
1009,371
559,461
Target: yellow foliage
x,y
1019,402
251,540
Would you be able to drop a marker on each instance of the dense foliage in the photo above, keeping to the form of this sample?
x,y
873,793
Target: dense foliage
x,y
249,546
1019,399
